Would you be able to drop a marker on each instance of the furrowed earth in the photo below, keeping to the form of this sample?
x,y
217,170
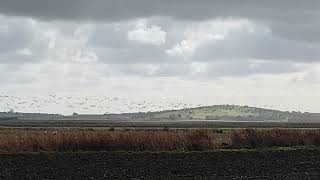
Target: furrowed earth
x,y
219,164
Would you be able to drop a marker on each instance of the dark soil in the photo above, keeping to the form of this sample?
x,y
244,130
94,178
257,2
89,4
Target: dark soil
x,y
268,164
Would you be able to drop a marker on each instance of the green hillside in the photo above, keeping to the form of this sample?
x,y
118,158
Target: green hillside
x,y
222,112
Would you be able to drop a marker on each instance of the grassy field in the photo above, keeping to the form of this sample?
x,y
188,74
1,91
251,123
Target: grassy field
x,y
62,140
114,153
15,140
152,124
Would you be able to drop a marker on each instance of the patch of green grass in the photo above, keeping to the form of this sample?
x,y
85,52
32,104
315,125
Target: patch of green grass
x,y
217,111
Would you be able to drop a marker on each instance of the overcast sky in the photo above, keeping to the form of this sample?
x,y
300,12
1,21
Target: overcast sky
x,y
249,52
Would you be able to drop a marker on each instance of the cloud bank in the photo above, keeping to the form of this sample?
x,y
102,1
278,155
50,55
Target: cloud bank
x,y
164,48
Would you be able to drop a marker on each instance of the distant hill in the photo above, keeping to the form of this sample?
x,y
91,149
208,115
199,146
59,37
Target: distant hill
x,y
219,112
216,112
231,112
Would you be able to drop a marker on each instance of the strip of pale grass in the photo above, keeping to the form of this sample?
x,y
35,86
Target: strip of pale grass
x,y
15,140
260,138
74,140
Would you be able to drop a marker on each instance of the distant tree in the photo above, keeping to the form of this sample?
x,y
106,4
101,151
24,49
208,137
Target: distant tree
x,y
172,116
165,128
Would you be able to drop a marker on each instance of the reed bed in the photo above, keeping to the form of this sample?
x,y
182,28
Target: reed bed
x,y
64,140
105,140
260,138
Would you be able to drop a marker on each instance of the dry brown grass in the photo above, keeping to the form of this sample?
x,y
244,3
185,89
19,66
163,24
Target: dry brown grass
x,y
14,140
259,138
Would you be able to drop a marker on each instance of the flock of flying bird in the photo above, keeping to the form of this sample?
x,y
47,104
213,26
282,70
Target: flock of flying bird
x,y
85,105
90,104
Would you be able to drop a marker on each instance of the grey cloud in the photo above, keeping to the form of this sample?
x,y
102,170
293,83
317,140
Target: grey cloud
x,y
12,74
112,45
274,13
123,9
17,35
110,42
155,69
306,31
107,35
246,68
212,69
14,35
244,45
132,55
16,58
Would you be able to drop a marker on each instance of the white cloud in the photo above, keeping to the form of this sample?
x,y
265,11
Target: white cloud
x,y
184,48
199,34
148,34
198,68
25,51
70,47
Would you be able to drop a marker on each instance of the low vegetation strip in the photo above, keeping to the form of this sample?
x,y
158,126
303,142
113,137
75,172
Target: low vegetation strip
x,y
258,138
73,140
15,140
